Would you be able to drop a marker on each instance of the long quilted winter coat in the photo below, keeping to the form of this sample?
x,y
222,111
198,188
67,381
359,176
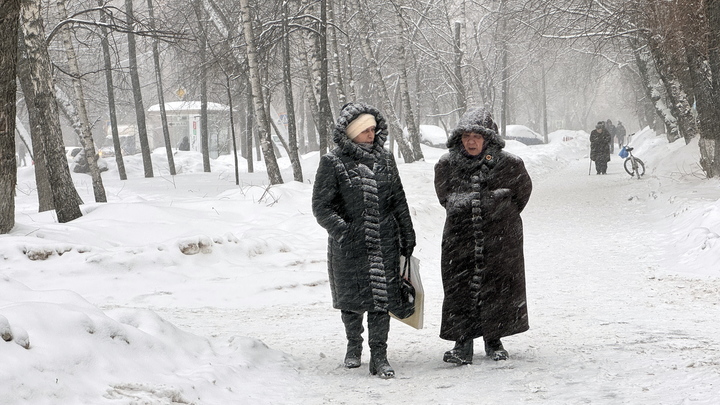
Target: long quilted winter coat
x,y
600,145
359,199
482,263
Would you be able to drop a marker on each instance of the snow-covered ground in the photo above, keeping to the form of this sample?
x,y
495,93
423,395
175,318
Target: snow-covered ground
x,y
190,289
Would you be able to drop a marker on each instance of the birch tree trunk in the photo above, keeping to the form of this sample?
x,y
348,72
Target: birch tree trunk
x,y
66,200
9,20
202,48
339,83
460,95
44,191
105,44
273,170
311,100
289,100
84,122
710,139
679,104
137,92
413,131
654,98
384,94
161,97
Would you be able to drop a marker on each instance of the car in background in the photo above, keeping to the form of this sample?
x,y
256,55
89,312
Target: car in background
x,y
71,152
433,135
523,134
78,163
106,151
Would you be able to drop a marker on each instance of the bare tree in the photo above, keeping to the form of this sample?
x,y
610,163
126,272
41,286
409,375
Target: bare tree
x,y
710,142
413,130
83,122
9,20
202,49
161,97
36,121
66,201
109,85
289,99
326,116
137,92
383,92
273,170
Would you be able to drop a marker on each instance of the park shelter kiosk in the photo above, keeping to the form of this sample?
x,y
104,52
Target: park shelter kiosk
x,y
184,121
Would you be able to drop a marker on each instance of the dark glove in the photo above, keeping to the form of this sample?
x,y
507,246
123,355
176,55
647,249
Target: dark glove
x,y
406,251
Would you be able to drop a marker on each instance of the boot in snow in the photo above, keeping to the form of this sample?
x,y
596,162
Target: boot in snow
x,y
378,329
353,354
495,350
353,331
379,366
461,354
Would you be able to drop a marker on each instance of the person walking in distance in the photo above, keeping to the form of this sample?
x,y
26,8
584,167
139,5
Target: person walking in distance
x,y
359,199
599,149
610,128
620,133
483,190
22,152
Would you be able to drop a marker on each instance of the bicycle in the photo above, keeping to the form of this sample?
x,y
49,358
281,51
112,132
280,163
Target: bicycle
x,y
633,166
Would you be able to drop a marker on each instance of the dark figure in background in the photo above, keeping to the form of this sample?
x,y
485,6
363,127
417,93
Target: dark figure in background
x,y
359,199
184,144
610,128
21,151
483,189
620,134
81,164
599,152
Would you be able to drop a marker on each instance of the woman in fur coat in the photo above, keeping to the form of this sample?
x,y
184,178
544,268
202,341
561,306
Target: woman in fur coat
x,y
483,189
359,199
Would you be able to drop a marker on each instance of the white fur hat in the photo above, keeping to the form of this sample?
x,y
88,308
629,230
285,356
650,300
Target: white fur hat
x,y
359,124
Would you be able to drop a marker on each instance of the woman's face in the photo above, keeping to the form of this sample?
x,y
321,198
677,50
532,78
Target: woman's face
x,y
473,143
366,136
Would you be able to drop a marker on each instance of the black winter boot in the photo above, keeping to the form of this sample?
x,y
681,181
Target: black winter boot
x,y
461,354
378,329
495,349
353,332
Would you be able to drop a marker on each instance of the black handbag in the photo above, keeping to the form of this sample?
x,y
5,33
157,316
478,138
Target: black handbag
x,y
407,293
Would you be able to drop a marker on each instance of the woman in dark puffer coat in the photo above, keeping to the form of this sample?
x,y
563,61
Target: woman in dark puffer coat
x,y
483,189
359,199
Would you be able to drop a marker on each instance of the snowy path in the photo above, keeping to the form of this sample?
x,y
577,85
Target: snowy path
x,y
604,329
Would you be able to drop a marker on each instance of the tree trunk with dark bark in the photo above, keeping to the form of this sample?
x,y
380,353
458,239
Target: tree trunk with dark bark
x,y
249,129
161,96
44,191
653,96
66,200
326,117
9,21
112,111
137,92
289,101
232,130
710,139
460,96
